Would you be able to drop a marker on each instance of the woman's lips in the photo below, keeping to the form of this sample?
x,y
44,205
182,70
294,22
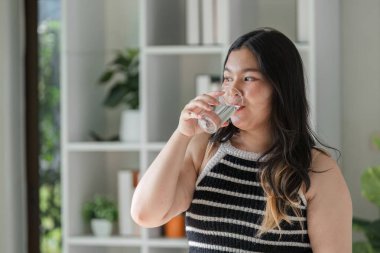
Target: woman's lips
x,y
240,108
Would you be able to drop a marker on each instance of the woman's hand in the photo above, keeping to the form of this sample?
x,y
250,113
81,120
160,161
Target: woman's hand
x,y
201,105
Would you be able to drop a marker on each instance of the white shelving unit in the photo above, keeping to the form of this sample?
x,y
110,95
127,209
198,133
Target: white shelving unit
x,y
167,76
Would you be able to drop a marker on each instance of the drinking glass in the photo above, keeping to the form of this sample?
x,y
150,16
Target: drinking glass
x,y
230,101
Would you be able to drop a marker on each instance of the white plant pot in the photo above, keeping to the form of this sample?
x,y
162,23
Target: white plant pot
x,y
130,126
101,227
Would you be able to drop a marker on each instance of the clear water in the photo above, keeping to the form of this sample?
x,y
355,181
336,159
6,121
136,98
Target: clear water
x,y
224,112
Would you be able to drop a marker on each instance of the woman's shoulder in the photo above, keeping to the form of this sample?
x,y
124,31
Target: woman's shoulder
x,y
321,161
201,149
325,174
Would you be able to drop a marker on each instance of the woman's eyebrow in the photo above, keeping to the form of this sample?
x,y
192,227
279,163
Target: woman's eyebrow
x,y
245,70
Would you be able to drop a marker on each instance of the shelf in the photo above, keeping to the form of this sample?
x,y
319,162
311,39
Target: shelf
x,y
126,241
103,146
179,50
168,243
112,146
105,241
168,72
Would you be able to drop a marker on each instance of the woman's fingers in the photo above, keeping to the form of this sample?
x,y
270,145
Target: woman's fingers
x,y
212,97
198,103
192,115
201,106
205,101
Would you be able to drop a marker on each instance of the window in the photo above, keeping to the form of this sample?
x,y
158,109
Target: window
x,y
49,126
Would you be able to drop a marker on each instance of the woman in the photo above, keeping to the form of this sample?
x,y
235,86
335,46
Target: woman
x,y
259,184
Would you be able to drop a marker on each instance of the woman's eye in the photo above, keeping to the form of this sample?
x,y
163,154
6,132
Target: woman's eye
x,y
249,79
227,79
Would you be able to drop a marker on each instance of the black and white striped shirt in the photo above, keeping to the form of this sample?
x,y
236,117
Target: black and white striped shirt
x,y
228,205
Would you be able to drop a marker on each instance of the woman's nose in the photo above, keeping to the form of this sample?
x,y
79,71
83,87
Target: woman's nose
x,y
237,85
233,96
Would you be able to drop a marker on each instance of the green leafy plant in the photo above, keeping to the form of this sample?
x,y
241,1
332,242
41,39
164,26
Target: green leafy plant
x,y
370,187
100,207
49,136
122,74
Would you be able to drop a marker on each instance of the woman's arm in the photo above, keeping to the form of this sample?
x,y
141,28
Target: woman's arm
x,y
329,211
166,189
159,187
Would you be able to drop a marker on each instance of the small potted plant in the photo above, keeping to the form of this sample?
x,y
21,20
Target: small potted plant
x,y
101,213
122,75
370,189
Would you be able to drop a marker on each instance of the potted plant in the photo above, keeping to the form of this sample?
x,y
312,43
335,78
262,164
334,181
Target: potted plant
x,y
122,75
101,213
370,188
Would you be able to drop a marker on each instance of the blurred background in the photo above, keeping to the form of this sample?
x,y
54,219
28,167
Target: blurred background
x,y
91,90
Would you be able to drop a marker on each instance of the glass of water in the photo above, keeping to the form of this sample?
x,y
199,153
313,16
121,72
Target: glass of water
x,y
231,100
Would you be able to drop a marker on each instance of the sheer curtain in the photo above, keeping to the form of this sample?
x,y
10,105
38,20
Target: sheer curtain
x,y
12,166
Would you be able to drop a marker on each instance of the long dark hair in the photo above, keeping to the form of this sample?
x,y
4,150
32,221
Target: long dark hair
x,y
289,157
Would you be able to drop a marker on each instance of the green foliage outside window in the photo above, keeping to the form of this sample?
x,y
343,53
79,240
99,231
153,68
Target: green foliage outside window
x,y
49,127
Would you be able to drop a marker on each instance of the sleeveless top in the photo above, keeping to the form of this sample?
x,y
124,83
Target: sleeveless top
x,y
228,206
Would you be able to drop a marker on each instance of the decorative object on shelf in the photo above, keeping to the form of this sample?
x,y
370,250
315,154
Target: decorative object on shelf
x,y
206,22
303,19
127,182
175,228
122,74
101,212
101,227
97,137
370,188
193,22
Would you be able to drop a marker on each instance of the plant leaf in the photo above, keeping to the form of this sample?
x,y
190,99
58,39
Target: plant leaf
x,y
126,88
132,101
122,60
359,224
373,235
362,247
133,83
370,184
376,142
116,95
107,75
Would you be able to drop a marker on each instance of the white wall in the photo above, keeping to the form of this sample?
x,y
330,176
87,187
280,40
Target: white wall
x,y
12,183
361,94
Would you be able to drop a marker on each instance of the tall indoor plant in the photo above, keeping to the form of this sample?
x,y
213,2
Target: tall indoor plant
x,y
122,75
370,187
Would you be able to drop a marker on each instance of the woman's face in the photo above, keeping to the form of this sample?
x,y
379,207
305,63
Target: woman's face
x,y
242,72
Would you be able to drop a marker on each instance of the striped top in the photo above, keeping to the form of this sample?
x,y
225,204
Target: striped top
x,y
228,205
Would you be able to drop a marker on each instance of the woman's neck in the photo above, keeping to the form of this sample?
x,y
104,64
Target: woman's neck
x,y
252,141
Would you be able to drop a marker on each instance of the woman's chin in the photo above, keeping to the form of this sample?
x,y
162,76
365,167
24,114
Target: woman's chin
x,y
236,120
